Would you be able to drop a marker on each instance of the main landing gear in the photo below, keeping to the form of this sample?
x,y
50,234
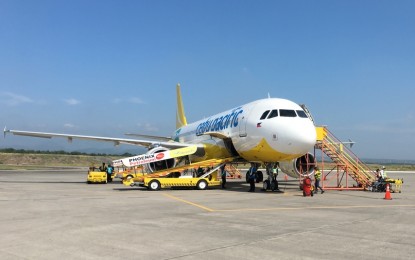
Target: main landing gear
x,y
271,182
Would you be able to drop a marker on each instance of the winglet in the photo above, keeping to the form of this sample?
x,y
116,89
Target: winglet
x,y
5,131
180,116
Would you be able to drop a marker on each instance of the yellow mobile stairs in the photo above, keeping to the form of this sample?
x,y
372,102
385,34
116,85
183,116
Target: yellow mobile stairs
x,y
182,176
344,164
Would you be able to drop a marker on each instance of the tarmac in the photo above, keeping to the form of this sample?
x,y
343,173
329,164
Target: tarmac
x,y
56,215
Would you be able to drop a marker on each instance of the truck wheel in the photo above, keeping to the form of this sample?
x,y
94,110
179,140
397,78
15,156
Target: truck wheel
x,y
201,185
154,185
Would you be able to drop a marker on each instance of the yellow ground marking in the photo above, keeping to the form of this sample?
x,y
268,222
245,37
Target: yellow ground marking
x,y
285,208
317,207
188,202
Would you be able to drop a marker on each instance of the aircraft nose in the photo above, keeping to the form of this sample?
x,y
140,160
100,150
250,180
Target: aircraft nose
x,y
303,139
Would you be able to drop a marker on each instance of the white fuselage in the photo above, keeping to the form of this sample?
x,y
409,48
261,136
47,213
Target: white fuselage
x,y
255,134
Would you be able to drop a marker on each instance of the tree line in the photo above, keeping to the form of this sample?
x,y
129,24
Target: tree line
x,y
23,151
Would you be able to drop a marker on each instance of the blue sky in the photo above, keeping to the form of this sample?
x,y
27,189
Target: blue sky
x,y
110,67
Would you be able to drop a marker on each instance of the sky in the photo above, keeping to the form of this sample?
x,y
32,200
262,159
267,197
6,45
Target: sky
x,y
110,67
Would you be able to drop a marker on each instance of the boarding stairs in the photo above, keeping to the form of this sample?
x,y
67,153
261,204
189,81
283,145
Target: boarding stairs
x,y
232,172
344,160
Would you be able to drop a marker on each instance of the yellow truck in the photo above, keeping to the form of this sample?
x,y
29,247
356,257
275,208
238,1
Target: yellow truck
x,y
96,177
182,181
181,176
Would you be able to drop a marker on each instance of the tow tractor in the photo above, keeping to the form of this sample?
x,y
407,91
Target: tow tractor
x,y
380,186
96,176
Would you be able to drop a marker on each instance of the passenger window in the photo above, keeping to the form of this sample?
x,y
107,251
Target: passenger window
x,y
264,115
302,114
287,113
274,113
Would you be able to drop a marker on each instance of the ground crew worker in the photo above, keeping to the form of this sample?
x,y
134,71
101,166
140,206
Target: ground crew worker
x,y
317,178
103,168
275,175
383,173
110,170
252,177
223,175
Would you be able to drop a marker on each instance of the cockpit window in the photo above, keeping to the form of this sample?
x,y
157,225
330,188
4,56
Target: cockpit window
x,y
302,114
264,115
274,113
287,113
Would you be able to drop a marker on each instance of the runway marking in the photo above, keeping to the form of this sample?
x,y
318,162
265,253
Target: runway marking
x,y
188,202
317,207
285,208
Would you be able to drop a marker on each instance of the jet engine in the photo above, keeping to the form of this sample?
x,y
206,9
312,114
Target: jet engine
x,y
301,166
160,165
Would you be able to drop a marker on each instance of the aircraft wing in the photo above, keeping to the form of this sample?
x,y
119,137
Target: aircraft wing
x,y
115,141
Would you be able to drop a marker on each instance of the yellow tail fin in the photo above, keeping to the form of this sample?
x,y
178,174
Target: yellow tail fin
x,y
180,117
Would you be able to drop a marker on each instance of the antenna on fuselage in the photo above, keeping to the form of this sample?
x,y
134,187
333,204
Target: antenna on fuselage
x,y
269,96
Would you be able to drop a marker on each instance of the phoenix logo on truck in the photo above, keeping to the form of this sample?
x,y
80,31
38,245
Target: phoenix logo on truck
x,y
142,157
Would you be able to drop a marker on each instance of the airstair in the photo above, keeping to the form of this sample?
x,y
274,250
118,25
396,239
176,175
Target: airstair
x,y
344,164
232,172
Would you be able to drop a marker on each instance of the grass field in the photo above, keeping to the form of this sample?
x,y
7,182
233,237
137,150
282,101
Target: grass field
x,y
12,161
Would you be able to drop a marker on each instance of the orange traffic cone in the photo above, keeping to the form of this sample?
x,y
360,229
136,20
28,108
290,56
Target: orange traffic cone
x,y
388,193
286,177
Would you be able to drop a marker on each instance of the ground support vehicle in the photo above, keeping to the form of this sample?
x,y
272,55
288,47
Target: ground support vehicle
x,y
182,176
129,173
395,185
96,177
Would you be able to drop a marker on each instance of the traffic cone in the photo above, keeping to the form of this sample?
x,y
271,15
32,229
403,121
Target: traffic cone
x,y
286,177
388,193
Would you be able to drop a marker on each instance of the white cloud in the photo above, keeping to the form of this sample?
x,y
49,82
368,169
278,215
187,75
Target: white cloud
x,y
136,100
12,99
69,125
72,101
148,127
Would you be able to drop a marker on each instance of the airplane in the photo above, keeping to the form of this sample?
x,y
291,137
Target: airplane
x,y
267,131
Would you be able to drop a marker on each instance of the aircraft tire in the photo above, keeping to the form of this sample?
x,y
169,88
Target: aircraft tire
x,y
266,185
259,176
202,185
154,185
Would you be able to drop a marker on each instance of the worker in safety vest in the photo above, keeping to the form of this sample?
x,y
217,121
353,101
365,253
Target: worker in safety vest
x,y
317,178
383,173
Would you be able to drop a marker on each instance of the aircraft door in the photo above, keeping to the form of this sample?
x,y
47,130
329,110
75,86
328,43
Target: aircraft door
x,y
242,127
243,121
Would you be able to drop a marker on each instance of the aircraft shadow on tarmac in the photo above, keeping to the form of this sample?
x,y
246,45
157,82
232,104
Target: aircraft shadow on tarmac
x,y
231,186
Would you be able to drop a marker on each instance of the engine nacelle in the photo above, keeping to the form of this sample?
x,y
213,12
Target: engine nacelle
x,y
301,166
160,165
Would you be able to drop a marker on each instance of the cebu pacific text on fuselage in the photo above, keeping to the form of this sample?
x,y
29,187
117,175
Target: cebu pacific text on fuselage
x,y
220,123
